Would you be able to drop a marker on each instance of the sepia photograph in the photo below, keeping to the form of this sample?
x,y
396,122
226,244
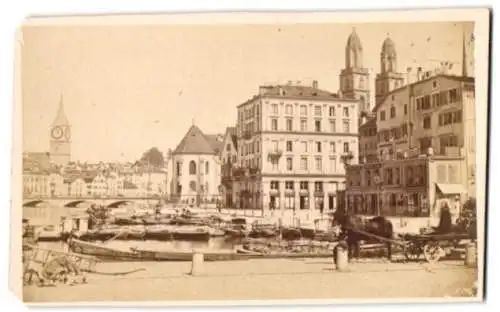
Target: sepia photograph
x,y
221,157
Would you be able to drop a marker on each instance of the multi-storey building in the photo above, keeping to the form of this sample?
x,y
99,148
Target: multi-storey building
x,y
410,192
368,140
441,116
229,157
291,139
425,146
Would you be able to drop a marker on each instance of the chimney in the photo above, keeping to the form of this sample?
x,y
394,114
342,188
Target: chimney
x,y
315,84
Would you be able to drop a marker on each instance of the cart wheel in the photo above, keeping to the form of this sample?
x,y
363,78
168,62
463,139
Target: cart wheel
x,y
413,251
433,252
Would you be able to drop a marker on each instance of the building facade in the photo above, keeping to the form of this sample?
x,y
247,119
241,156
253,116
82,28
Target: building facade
x,y
291,139
410,192
229,157
195,167
434,112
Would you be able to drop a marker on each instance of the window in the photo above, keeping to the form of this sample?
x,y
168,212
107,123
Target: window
x,y
289,146
434,84
289,163
331,111
346,147
345,126
206,167
274,108
333,164
318,186
275,185
289,185
179,169
406,109
449,118
303,110
332,147
275,145
289,109
333,126
346,111
318,147
393,112
192,167
303,125
397,176
382,115
228,147
318,164
435,100
427,122
443,98
304,185
317,125
317,110
274,124
289,125
453,95
303,163
304,147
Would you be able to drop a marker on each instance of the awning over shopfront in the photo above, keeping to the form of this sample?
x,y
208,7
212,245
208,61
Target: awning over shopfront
x,y
449,189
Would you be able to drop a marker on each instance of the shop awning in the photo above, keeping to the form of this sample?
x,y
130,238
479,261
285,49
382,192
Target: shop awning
x,y
450,188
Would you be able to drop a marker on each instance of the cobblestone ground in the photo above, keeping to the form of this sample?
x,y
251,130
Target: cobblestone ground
x,y
264,279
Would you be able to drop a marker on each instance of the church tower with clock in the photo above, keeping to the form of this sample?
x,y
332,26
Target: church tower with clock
x,y
60,138
354,78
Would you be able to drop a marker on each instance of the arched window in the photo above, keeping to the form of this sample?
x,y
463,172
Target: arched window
x,y
192,167
206,167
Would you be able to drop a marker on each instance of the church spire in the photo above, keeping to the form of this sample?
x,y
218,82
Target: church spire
x,y
464,57
61,119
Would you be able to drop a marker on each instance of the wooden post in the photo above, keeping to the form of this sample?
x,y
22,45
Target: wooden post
x,y
342,257
470,256
197,263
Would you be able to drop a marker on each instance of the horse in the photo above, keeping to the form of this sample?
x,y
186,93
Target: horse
x,y
351,228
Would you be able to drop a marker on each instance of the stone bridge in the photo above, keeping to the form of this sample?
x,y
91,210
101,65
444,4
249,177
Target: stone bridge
x,y
111,202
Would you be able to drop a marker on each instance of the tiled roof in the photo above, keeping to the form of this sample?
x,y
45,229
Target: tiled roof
x,y
195,142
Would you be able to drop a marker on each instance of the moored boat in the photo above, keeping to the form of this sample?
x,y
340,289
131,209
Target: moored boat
x,y
191,233
159,232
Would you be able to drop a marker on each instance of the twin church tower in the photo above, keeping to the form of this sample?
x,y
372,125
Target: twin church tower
x,y
355,79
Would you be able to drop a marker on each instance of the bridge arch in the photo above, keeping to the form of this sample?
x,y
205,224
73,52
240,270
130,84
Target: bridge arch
x,y
118,203
33,203
74,203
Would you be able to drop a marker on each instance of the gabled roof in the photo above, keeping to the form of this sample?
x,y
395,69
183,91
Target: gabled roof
x,y
195,142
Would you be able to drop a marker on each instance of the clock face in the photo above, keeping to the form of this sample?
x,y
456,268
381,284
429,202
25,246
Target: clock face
x,y
57,133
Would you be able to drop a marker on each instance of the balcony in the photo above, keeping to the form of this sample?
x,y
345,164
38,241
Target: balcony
x,y
275,154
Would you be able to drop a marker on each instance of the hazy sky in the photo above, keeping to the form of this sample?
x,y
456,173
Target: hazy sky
x,y
128,88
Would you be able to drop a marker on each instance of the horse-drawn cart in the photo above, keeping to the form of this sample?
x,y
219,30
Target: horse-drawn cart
x,y
51,267
432,246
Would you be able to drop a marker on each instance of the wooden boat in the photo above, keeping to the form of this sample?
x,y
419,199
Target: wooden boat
x,y
102,252
290,233
236,231
48,233
105,253
159,232
191,233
